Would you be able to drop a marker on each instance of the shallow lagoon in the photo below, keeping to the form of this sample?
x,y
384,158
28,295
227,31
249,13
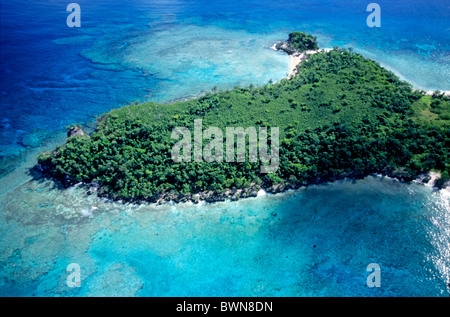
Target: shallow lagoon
x,y
316,241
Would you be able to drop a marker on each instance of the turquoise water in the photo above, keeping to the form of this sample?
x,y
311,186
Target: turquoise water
x,y
312,242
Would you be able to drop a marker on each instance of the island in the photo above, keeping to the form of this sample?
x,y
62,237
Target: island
x,y
339,116
298,42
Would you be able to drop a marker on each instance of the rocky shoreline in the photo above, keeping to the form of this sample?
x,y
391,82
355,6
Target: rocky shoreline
x,y
255,190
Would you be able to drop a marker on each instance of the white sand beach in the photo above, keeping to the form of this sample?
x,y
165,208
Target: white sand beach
x,y
431,92
297,58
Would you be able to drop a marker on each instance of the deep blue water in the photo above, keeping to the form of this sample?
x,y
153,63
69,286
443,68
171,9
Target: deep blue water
x,y
53,76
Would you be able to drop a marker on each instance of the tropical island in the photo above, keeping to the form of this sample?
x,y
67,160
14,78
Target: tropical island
x,y
340,116
298,42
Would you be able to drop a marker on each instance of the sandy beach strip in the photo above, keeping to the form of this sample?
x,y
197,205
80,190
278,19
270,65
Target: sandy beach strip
x,y
297,58
431,92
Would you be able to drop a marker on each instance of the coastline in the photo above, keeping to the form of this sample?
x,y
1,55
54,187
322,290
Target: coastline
x,y
429,181
445,92
255,191
297,58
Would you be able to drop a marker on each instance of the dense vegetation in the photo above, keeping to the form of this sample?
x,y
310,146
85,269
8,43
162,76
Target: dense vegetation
x,y
298,42
340,116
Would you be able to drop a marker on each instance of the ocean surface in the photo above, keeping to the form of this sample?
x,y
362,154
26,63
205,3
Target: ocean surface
x,y
316,241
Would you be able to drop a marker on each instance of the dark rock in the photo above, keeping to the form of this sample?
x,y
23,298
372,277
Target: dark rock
x,y
74,131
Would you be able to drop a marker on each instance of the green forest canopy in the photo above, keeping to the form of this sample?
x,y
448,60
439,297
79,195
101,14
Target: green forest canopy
x,y
298,42
341,116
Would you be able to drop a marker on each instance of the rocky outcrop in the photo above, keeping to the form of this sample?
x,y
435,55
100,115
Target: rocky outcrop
x,y
74,131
